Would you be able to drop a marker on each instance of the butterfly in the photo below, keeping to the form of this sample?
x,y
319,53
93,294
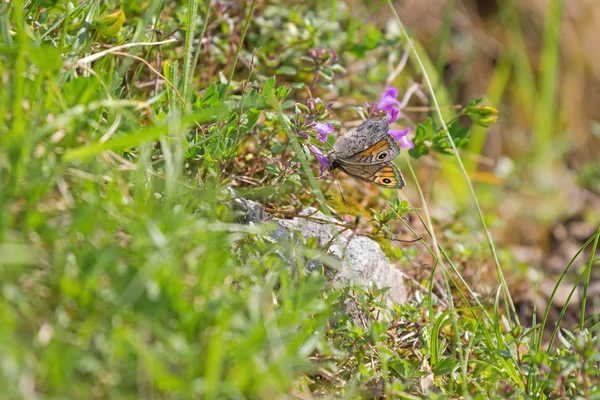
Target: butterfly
x,y
366,153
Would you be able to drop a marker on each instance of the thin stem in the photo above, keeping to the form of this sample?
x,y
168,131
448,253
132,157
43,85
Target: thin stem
x,y
201,38
95,56
239,48
140,59
457,345
507,298
586,281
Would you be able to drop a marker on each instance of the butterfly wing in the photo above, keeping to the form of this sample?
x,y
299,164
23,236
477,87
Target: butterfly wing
x,y
383,151
362,137
385,174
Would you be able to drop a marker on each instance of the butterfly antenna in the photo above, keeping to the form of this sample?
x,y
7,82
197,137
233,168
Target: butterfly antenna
x,y
339,187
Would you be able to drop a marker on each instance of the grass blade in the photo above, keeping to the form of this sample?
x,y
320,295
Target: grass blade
x,y
192,14
507,298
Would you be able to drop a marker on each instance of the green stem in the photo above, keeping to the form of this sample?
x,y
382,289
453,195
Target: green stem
x,y
239,48
507,298
204,27
456,345
586,281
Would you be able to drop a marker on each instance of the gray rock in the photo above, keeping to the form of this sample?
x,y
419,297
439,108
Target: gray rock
x,y
250,211
362,262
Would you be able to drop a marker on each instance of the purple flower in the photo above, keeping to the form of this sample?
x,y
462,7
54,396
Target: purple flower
x,y
400,135
304,135
324,129
323,161
323,55
390,104
393,114
406,143
390,91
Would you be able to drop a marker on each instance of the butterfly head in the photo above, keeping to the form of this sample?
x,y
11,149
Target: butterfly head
x,y
332,161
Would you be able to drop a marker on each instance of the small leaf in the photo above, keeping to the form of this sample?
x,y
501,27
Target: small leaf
x,y
504,354
277,148
286,70
268,86
46,58
211,96
445,366
418,151
425,130
282,92
338,68
272,169
473,104
372,37
327,74
303,108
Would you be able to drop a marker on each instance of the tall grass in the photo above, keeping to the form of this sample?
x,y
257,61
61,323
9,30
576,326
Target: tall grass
x,y
507,354
507,297
117,274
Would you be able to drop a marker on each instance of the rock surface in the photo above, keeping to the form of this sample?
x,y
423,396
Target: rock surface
x,y
362,260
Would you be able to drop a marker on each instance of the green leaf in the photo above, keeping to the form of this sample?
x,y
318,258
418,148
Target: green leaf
x,y
504,354
326,73
472,104
338,68
425,130
286,70
212,95
277,148
282,92
418,151
272,169
457,131
445,366
372,37
268,86
302,108
46,58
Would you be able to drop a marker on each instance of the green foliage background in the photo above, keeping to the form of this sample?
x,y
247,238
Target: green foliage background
x,y
125,272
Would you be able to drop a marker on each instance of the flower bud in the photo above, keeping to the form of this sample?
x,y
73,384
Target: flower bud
x,y
483,115
111,24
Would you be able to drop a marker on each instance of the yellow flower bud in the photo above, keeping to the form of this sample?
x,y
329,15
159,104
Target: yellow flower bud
x,y
483,115
111,24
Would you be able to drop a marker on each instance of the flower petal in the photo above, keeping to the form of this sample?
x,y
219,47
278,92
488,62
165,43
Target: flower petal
x,y
406,143
323,161
390,91
391,106
324,129
387,102
398,134
303,134
393,114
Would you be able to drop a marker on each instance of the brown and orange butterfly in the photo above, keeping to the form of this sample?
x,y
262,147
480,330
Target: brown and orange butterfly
x,y
366,153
